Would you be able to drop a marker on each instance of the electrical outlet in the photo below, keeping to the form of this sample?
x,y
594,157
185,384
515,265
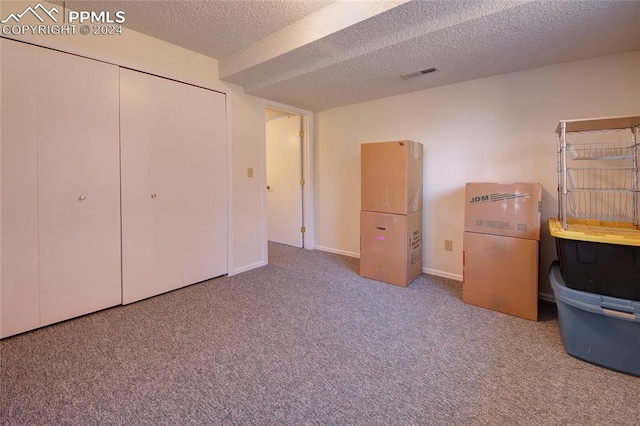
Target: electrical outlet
x,y
250,172
448,245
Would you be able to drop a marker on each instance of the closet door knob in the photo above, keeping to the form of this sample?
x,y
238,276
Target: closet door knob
x,y
81,198
154,195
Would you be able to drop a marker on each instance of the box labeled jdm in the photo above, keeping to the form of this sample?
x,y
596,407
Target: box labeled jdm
x,y
508,209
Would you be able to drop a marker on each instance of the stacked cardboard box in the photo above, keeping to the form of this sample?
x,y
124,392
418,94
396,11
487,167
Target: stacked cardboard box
x,y
500,247
391,216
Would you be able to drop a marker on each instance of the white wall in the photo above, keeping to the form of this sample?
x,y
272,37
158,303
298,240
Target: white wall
x,y
248,213
144,53
493,129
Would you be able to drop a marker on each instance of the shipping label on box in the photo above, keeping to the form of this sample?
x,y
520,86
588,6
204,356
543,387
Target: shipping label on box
x,y
391,177
415,246
508,209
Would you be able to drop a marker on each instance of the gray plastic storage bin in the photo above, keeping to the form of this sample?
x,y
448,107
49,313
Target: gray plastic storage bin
x,y
599,329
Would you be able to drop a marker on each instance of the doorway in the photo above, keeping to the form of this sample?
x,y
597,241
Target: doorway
x,y
295,214
285,201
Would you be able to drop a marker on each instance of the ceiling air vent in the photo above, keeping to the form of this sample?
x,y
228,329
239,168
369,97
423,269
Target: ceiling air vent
x,y
417,73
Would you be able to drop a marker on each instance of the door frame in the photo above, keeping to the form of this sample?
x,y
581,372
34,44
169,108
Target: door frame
x,y
307,172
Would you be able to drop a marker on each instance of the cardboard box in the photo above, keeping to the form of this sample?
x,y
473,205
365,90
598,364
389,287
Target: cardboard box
x,y
501,273
391,247
391,177
509,209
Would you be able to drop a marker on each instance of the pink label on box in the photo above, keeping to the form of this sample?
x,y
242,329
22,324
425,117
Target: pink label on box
x,y
379,238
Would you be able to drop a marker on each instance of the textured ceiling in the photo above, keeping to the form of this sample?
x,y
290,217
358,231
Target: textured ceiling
x,y
214,28
322,54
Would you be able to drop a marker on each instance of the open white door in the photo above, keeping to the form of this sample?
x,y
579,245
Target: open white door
x,y
284,173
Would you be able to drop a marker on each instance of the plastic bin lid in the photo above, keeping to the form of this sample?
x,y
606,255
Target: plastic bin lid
x,y
610,306
596,231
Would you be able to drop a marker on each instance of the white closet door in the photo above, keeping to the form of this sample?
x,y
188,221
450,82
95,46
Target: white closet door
x,y
19,286
78,186
204,175
151,185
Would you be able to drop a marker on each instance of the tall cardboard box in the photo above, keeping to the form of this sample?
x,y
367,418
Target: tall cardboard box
x,y
391,247
391,177
509,209
501,273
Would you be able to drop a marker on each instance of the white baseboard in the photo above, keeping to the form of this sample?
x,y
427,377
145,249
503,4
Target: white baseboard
x,y
443,274
248,267
546,296
436,272
336,251
542,296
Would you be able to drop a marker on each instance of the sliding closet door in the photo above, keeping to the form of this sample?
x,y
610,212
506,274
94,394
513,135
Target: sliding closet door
x,y
174,184
204,159
151,185
78,186
19,286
